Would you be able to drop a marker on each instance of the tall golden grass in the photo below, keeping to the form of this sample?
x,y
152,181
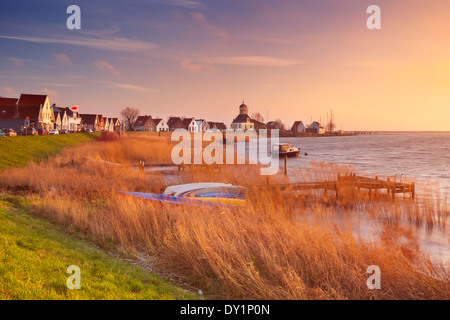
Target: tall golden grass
x,y
280,246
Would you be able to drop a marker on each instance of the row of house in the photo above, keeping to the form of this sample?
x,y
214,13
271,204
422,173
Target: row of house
x,y
98,122
36,111
315,127
66,118
32,110
244,122
148,124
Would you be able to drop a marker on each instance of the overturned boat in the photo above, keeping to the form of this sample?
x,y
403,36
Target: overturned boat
x,y
198,194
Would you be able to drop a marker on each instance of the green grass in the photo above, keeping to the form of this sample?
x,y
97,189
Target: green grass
x,y
19,151
35,254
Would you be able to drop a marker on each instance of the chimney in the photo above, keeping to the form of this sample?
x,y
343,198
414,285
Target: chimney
x,y
16,115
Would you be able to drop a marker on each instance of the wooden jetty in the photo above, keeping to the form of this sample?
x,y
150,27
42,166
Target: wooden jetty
x,y
371,184
180,167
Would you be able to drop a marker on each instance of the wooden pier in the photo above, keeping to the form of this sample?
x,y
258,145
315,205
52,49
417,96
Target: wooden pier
x,y
372,185
351,181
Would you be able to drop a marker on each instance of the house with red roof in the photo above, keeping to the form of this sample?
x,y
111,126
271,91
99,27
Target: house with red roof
x,y
144,123
32,107
217,126
90,121
160,125
175,123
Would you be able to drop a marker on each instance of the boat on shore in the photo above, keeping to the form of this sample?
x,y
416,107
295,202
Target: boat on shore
x,y
198,194
286,150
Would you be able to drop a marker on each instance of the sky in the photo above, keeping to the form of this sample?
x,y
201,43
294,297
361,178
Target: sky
x,y
287,59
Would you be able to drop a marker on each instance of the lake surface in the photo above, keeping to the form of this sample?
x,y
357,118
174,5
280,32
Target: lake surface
x,y
424,157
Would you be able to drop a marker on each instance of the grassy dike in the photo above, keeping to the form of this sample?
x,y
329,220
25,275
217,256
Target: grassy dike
x,y
35,254
19,151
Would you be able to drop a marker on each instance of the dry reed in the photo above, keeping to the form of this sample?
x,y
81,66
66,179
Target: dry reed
x,y
279,246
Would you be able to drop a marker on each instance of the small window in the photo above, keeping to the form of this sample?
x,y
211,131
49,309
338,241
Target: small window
x,y
3,112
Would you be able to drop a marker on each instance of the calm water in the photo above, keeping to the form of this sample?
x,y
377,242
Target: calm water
x,y
424,157
421,156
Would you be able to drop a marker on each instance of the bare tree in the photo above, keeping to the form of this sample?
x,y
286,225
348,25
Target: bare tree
x,y
129,116
257,116
282,126
331,125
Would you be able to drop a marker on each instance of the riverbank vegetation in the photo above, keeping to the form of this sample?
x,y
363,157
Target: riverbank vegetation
x,y
281,245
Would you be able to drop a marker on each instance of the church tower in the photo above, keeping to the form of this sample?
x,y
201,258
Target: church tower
x,y
243,109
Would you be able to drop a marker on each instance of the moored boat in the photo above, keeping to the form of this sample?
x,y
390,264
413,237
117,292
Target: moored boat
x,y
286,150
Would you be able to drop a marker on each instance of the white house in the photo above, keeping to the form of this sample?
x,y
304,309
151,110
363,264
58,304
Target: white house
x,y
203,125
105,124
109,125
191,125
243,120
161,125
73,118
67,118
298,127
316,128
61,121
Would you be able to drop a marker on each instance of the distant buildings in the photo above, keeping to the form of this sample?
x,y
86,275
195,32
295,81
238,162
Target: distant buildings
x,y
298,127
315,128
217,126
144,123
193,125
115,124
190,125
66,118
161,125
175,123
90,121
274,125
35,111
243,120
202,124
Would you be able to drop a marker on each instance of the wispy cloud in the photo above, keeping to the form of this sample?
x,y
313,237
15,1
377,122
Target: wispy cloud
x,y
262,61
113,44
132,87
8,90
50,92
106,66
192,4
192,66
62,85
201,19
20,62
62,58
